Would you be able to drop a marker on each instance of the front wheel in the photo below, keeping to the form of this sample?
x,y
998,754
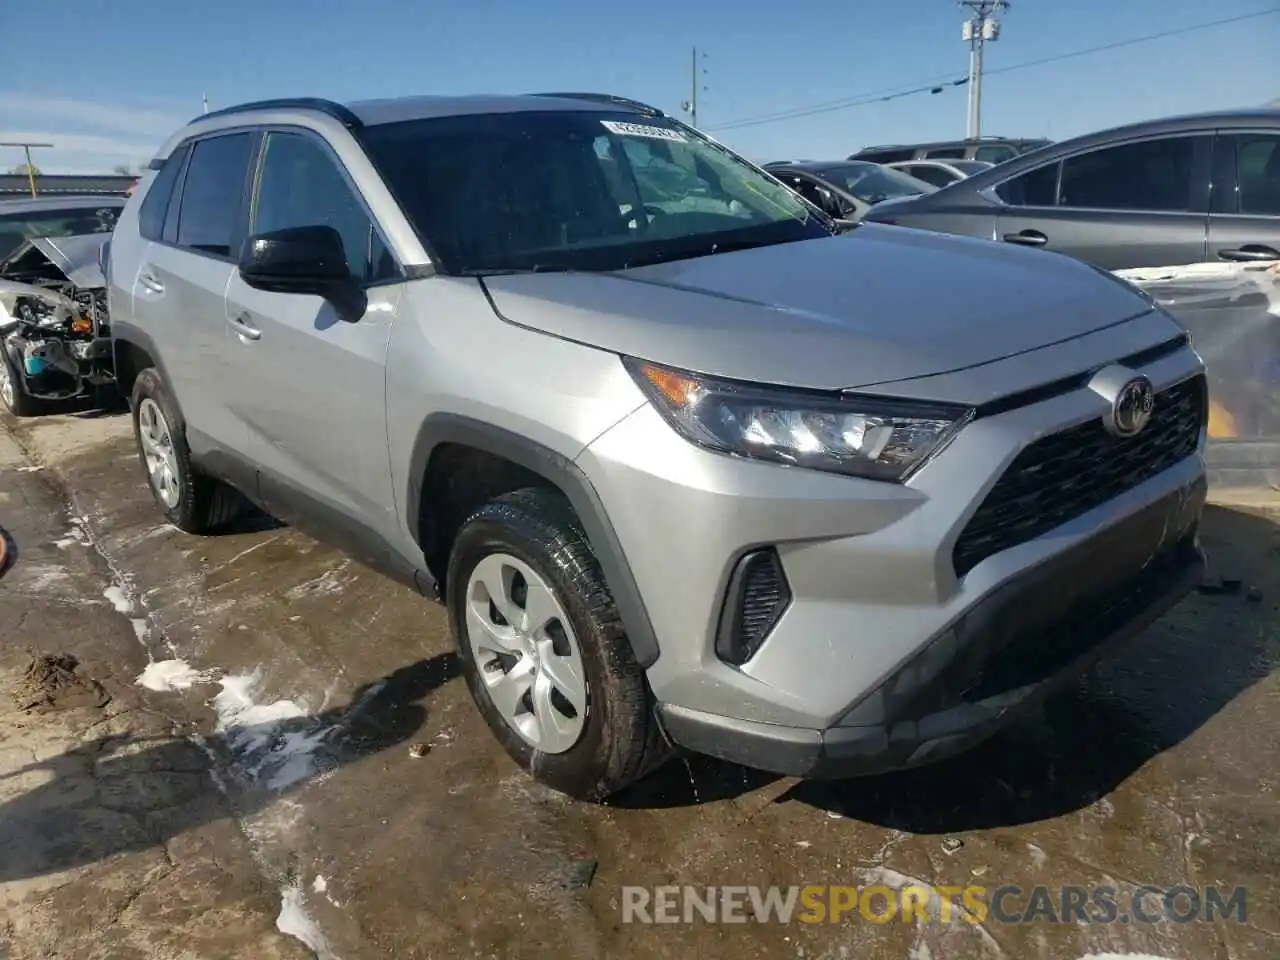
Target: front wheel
x,y
543,650
189,500
15,398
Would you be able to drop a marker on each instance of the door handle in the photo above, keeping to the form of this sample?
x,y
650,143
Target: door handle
x,y
150,282
1027,238
243,325
1250,253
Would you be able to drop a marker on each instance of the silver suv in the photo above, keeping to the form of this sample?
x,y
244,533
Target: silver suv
x,y
689,462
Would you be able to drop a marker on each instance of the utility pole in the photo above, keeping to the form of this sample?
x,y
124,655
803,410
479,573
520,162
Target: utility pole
x,y
690,106
206,103
982,26
26,150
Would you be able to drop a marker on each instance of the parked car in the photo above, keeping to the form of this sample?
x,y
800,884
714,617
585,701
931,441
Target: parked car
x,y
1161,193
55,335
847,188
991,149
940,173
815,500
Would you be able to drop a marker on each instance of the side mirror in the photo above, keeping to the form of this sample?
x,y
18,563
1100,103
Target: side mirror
x,y
309,260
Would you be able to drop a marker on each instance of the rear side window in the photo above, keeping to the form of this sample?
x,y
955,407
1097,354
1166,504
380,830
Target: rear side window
x,y
156,203
1154,175
942,153
995,154
301,186
887,156
213,193
1035,188
935,175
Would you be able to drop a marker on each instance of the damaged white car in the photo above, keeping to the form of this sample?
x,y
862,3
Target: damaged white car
x,y
55,336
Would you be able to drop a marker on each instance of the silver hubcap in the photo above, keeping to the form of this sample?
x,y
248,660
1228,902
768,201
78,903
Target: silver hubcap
x,y
157,449
526,653
6,384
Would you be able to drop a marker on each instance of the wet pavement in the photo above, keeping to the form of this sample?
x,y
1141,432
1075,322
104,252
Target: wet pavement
x,y
374,800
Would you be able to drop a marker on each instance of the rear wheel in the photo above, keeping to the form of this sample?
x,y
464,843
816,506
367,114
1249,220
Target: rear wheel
x,y
16,399
188,499
543,650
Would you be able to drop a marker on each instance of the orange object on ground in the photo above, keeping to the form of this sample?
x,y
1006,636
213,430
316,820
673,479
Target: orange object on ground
x,y
1222,425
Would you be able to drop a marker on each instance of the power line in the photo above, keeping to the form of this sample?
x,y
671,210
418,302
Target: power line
x,y
935,87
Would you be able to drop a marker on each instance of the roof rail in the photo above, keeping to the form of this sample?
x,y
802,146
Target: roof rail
x,y
319,104
606,98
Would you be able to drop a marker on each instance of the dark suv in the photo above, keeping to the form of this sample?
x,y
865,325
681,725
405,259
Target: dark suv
x,y
1156,194
990,149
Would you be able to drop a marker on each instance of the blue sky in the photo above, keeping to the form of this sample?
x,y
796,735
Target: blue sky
x,y
106,82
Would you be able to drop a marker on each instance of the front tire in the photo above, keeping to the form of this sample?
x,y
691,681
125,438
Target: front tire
x,y
16,399
191,501
543,650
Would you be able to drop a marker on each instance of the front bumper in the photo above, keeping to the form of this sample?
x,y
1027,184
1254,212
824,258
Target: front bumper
x,y
1035,633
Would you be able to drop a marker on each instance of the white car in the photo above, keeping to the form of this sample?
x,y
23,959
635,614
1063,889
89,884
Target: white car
x,y
940,173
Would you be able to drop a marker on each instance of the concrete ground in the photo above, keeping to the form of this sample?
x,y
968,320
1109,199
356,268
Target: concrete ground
x,y
299,756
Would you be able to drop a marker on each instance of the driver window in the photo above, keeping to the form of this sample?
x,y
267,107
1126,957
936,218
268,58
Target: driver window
x,y
300,186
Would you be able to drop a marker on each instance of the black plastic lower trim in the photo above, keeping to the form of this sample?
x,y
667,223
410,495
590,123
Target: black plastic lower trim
x,y
570,480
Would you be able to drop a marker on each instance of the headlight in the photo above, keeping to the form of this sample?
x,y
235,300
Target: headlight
x,y
875,438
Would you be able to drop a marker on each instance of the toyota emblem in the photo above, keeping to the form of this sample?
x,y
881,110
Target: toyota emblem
x,y
1131,410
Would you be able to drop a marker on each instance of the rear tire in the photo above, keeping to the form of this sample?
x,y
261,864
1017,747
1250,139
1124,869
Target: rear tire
x,y
531,540
189,500
16,400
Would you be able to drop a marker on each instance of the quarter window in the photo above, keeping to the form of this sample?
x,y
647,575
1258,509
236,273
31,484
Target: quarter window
x,y
1258,162
156,203
301,186
1153,175
213,193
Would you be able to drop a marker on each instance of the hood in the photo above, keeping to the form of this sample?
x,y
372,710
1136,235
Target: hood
x,y
872,306
77,257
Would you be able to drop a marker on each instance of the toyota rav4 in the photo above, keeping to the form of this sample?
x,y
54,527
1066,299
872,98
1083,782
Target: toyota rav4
x,y
689,463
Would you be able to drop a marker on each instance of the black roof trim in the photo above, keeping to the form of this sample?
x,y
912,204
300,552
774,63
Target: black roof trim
x,y
606,98
318,104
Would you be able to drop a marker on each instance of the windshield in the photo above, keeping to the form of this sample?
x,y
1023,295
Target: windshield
x,y
15,228
578,190
872,183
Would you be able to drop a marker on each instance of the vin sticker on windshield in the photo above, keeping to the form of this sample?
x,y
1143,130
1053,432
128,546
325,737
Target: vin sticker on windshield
x,y
642,130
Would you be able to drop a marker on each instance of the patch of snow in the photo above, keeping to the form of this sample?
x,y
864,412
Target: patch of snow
x,y
1038,857
118,598
140,629
276,743
165,675
294,921
1106,808
320,885
920,951
40,578
31,469
326,584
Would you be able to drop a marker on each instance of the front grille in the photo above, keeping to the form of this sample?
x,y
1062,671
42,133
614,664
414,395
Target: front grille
x,y
1063,476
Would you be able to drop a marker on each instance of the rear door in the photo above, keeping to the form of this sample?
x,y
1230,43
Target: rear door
x,y
1244,223
308,387
1143,203
180,289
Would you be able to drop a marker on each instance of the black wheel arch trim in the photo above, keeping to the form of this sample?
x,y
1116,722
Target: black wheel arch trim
x,y
559,470
125,332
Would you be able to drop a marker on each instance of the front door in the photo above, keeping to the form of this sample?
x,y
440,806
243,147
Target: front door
x,y
1140,204
309,387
